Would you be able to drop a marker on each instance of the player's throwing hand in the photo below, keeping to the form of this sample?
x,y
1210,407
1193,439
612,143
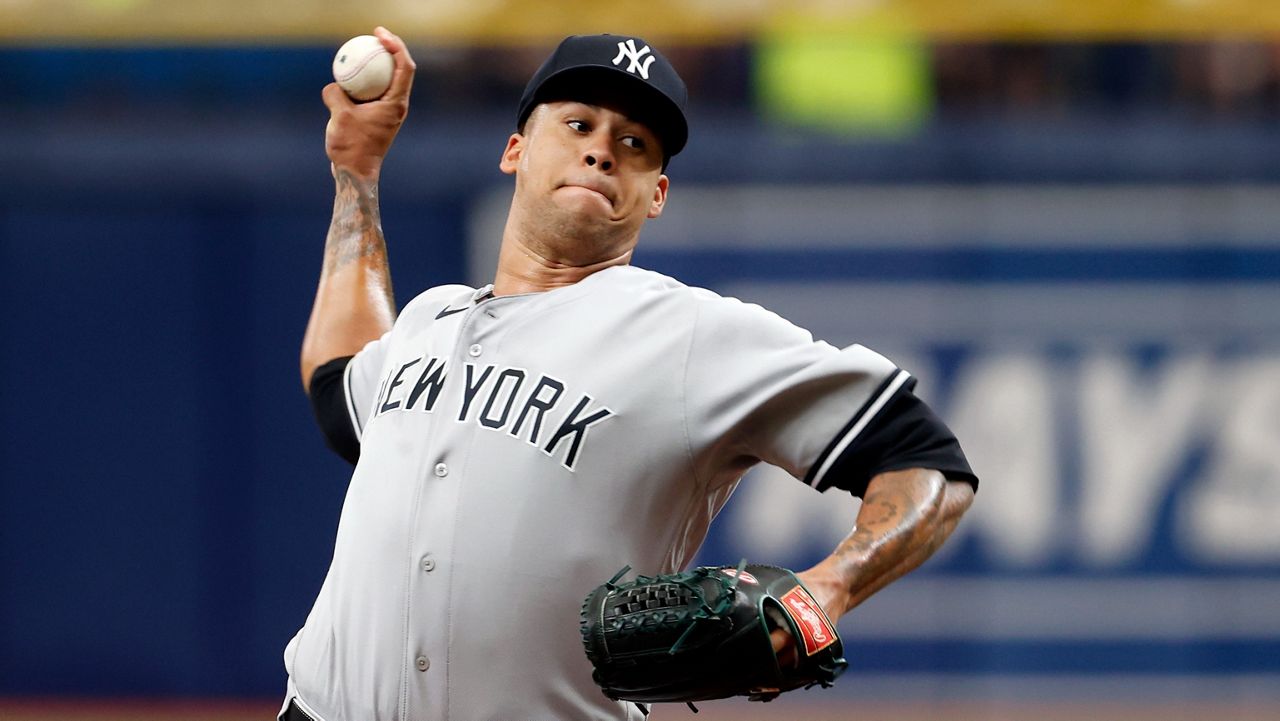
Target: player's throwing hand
x,y
359,134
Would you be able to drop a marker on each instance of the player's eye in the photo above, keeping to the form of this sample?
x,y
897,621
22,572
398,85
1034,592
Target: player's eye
x,y
579,125
632,141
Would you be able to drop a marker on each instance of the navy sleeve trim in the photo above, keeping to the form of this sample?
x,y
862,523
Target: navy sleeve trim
x,y
351,398
331,404
821,468
899,432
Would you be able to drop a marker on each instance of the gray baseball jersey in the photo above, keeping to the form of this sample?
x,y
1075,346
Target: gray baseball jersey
x,y
515,451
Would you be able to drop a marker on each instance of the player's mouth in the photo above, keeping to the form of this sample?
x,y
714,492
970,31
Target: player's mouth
x,y
600,190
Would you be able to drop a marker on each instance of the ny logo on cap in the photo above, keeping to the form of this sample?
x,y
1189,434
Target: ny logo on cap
x,y
628,50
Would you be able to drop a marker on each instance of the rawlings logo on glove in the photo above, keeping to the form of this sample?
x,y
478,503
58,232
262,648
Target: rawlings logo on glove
x,y
704,634
814,626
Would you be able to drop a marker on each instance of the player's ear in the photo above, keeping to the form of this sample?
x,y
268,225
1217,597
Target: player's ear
x,y
511,156
659,196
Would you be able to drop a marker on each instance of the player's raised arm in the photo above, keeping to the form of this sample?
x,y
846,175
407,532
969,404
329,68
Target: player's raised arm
x,y
354,302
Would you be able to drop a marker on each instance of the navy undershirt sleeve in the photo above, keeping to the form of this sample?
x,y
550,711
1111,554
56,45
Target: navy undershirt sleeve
x,y
905,433
329,404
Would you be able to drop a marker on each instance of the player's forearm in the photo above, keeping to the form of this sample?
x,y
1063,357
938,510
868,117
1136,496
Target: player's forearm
x,y
905,517
354,302
957,498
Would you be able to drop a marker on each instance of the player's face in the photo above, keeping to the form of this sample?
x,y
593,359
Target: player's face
x,y
587,174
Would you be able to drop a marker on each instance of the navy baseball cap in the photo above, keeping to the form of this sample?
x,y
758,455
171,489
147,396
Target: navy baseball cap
x,y
618,69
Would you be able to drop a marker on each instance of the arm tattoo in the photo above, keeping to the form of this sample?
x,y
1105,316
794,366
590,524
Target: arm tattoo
x,y
356,229
899,526
888,518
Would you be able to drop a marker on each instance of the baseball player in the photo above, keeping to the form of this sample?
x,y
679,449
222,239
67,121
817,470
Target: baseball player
x,y
516,443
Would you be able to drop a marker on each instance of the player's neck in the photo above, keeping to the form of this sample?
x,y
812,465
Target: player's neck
x,y
523,269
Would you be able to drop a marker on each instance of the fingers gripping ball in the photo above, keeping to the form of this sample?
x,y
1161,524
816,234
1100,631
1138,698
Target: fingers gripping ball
x,y
704,634
363,68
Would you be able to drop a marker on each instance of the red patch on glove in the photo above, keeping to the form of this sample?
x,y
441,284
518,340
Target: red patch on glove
x,y
810,618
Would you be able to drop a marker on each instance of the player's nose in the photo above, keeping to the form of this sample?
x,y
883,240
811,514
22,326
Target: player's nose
x,y
598,154
604,160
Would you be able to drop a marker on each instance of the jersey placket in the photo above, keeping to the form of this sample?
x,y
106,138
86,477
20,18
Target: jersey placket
x,y
431,610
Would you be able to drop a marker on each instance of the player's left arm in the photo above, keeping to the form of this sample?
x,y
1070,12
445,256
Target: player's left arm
x,y
915,483
846,419
906,515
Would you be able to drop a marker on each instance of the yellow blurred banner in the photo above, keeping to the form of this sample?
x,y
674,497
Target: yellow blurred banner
x,y
704,21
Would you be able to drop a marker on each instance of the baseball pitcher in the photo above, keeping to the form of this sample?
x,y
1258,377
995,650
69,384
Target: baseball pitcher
x,y
519,445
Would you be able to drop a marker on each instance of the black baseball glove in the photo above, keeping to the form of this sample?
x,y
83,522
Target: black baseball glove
x,y
704,634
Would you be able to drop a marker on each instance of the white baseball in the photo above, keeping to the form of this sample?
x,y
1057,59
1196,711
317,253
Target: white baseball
x,y
363,67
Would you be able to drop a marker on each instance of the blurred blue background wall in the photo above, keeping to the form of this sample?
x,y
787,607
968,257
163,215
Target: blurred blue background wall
x,y
1082,265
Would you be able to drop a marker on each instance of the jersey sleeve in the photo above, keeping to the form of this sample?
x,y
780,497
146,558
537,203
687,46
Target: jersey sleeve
x,y
894,430
760,388
342,392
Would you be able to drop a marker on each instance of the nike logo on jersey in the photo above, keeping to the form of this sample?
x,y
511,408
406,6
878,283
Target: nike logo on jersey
x,y
449,311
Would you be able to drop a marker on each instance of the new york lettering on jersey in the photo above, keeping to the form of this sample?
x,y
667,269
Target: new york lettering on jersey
x,y
497,398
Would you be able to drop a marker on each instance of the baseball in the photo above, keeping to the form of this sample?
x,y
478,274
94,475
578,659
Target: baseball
x,y
363,67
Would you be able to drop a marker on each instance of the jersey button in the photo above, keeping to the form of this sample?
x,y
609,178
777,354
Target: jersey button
x,y
442,470
423,663
475,350
428,564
